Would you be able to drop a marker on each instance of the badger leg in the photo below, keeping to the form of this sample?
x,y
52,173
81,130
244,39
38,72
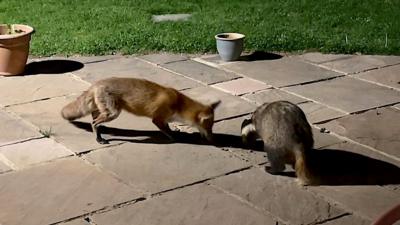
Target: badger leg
x,y
276,160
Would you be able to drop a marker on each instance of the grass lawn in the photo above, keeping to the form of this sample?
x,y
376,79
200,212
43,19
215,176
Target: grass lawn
x,y
66,27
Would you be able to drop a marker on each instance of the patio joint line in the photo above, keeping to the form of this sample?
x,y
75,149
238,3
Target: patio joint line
x,y
171,71
363,145
258,209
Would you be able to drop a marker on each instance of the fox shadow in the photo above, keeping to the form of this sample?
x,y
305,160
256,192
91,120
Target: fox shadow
x,y
330,166
156,137
56,66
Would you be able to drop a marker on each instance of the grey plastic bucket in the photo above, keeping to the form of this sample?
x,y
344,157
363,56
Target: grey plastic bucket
x,y
229,45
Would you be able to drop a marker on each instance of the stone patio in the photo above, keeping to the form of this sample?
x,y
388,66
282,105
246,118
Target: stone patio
x,y
54,172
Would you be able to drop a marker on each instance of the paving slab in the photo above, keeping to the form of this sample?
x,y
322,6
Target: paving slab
x,y
317,113
230,105
360,63
140,159
200,204
279,195
22,89
200,72
13,130
135,68
317,58
58,191
378,128
241,86
212,59
347,94
272,95
3,167
323,139
367,201
389,76
281,72
164,58
46,115
155,167
34,151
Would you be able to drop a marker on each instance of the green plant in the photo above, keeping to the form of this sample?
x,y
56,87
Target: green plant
x,y
11,30
46,132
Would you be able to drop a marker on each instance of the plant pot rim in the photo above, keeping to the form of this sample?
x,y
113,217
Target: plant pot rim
x,y
229,36
27,30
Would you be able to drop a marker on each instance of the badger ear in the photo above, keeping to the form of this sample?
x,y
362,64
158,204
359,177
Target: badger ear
x,y
215,104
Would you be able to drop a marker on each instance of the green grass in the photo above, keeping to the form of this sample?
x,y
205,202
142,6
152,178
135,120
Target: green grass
x,y
124,26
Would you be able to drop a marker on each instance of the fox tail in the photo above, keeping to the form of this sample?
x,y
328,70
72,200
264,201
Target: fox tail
x,y
80,107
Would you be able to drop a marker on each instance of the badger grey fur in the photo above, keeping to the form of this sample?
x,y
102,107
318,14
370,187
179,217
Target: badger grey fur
x,y
286,134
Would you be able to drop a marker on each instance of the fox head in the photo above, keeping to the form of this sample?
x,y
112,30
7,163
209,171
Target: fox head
x,y
205,120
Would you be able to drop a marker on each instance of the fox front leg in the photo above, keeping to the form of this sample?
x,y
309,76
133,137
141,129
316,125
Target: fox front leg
x,y
164,128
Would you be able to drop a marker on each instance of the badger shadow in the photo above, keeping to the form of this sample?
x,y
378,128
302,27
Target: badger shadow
x,y
341,167
329,166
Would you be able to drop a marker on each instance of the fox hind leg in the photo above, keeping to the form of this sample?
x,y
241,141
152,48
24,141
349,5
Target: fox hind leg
x,y
107,111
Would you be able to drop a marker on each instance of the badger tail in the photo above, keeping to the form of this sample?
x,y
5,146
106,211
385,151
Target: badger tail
x,y
304,173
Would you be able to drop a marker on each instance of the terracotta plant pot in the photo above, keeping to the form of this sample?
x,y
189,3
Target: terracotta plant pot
x,y
229,45
14,48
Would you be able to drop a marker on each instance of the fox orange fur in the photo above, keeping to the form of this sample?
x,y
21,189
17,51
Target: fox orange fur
x,y
105,99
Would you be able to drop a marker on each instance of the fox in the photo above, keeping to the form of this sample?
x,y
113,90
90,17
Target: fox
x,y
106,98
287,137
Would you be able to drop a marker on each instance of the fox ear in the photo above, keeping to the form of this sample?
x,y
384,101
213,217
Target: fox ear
x,y
215,104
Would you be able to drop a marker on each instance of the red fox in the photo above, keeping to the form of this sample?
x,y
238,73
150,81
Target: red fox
x,y
106,98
